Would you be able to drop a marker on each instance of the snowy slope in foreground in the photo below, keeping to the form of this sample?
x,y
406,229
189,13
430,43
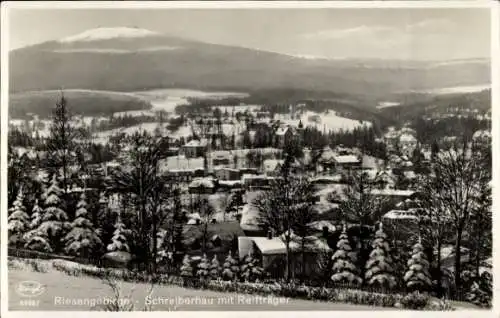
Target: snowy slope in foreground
x,y
108,33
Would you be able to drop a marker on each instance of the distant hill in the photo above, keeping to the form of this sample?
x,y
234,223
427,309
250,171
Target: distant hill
x,y
124,59
86,102
419,105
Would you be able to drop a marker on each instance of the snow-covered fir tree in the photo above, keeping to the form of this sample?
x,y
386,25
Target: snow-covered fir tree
x,y
481,291
82,238
379,267
417,277
18,220
343,260
119,241
47,237
203,268
230,268
186,268
215,269
36,216
250,269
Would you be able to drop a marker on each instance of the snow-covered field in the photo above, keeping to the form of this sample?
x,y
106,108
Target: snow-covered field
x,y
135,113
103,136
324,121
458,89
169,98
241,108
387,104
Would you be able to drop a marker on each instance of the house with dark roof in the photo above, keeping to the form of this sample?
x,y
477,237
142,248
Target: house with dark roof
x,y
283,135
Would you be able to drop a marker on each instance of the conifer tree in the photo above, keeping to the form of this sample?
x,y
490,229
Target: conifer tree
x,y
18,220
379,267
203,268
481,291
343,260
119,241
417,277
215,269
82,238
230,268
36,216
47,237
250,270
186,268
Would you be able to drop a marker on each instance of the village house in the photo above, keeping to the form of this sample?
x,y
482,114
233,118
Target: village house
x,y
271,252
283,136
194,148
223,173
347,162
400,224
221,158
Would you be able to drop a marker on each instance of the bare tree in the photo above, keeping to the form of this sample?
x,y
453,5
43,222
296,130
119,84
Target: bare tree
x,y
304,215
433,227
138,180
458,180
278,209
359,205
206,212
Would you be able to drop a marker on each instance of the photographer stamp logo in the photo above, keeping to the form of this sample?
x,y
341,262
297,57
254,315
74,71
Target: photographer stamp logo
x,y
30,288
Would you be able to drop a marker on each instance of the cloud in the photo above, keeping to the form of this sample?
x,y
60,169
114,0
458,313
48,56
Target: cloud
x,y
433,24
382,33
362,30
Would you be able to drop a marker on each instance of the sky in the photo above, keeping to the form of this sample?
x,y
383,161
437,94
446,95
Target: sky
x,y
338,33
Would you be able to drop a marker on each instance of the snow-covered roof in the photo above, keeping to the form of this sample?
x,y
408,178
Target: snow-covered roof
x,y
230,183
328,155
276,245
272,164
410,174
194,216
172,163
282,130
400,215
196,143
319,225
253,177
113,164
338,189
269,246
391,134
202,183
392,192
249,217
407,138
384,175
347,159
408,163
221,154
332,178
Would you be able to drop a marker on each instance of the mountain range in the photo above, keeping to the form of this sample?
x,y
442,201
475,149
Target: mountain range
x,y
131,59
